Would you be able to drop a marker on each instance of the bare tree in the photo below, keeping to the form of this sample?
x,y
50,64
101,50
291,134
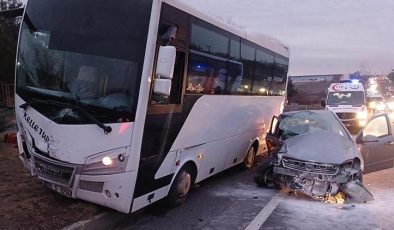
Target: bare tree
x,y
10,4
8,39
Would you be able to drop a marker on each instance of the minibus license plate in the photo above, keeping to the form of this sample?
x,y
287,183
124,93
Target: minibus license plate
x,y
60,189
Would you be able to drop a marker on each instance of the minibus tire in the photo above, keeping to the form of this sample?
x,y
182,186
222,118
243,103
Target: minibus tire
x,y
180,187
250,156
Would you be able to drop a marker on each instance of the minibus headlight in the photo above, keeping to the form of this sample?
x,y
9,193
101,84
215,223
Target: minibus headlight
x,y
107,163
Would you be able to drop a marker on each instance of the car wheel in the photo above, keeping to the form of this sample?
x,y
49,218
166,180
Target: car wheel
x,y
263,175
249,158
180,188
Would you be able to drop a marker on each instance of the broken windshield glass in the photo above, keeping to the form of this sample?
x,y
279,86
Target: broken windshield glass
x,y
306,122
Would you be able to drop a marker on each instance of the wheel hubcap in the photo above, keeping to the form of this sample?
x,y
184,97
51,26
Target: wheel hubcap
x,y
250,158
184,184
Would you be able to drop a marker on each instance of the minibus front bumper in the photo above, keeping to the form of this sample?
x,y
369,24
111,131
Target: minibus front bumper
x,y
112,190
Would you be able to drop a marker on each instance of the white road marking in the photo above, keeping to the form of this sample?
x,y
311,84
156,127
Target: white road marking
x,y
259,220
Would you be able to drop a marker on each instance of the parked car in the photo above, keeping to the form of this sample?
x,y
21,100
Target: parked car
x,y
312,152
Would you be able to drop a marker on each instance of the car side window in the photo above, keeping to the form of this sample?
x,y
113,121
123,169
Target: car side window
x,y
377,127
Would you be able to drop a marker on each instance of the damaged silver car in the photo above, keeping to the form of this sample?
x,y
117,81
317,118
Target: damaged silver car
x,y
312,152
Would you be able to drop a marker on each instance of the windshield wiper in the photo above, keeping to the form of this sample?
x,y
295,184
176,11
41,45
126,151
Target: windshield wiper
x,y
107,129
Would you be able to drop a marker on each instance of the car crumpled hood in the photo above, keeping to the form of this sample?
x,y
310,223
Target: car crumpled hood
x,y
321,146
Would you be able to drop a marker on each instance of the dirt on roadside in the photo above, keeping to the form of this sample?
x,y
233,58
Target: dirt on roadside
x,y
25,203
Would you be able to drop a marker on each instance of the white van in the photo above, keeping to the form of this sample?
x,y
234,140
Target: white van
x,y
347,100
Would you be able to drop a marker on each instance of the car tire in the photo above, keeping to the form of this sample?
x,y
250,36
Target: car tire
x,y
263,175
249,158
180,187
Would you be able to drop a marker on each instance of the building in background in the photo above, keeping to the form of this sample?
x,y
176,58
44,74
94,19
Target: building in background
x,y
310,89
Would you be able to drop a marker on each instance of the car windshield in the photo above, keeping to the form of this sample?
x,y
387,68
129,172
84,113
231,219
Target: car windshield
x,y
307,122
346,98
87,53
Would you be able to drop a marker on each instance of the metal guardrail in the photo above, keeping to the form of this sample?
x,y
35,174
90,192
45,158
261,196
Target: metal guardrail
x,y
7,94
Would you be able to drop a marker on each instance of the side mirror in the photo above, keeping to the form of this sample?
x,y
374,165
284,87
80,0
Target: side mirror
x,y
164,70
370,138
276,141
323,103
170,34
162,87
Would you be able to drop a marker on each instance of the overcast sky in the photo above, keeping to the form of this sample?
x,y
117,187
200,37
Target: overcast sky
x,y
324,36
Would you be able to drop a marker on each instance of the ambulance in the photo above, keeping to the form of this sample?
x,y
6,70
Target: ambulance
x,y
347,101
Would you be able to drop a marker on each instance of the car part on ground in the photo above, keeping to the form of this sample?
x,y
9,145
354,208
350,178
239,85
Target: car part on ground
x,y
357,191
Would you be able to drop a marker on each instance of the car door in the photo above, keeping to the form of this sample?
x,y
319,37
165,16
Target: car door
x,y
272,137
376,144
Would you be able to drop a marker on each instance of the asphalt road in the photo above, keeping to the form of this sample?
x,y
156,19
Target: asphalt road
x,y
232,201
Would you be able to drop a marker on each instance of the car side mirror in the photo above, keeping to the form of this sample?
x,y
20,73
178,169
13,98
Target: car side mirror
x,y
170,34
276,141
272,142
323,103
273,139
164,70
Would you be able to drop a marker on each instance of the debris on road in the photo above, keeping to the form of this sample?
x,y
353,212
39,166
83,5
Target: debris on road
x,y
357,191
339,198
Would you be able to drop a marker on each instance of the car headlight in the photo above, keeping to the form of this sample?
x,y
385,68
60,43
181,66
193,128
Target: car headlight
x,y
347,164
355,163
362,115
106,163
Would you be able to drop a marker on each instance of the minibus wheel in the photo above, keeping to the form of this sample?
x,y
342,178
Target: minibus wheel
x,y
180,188
249,158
